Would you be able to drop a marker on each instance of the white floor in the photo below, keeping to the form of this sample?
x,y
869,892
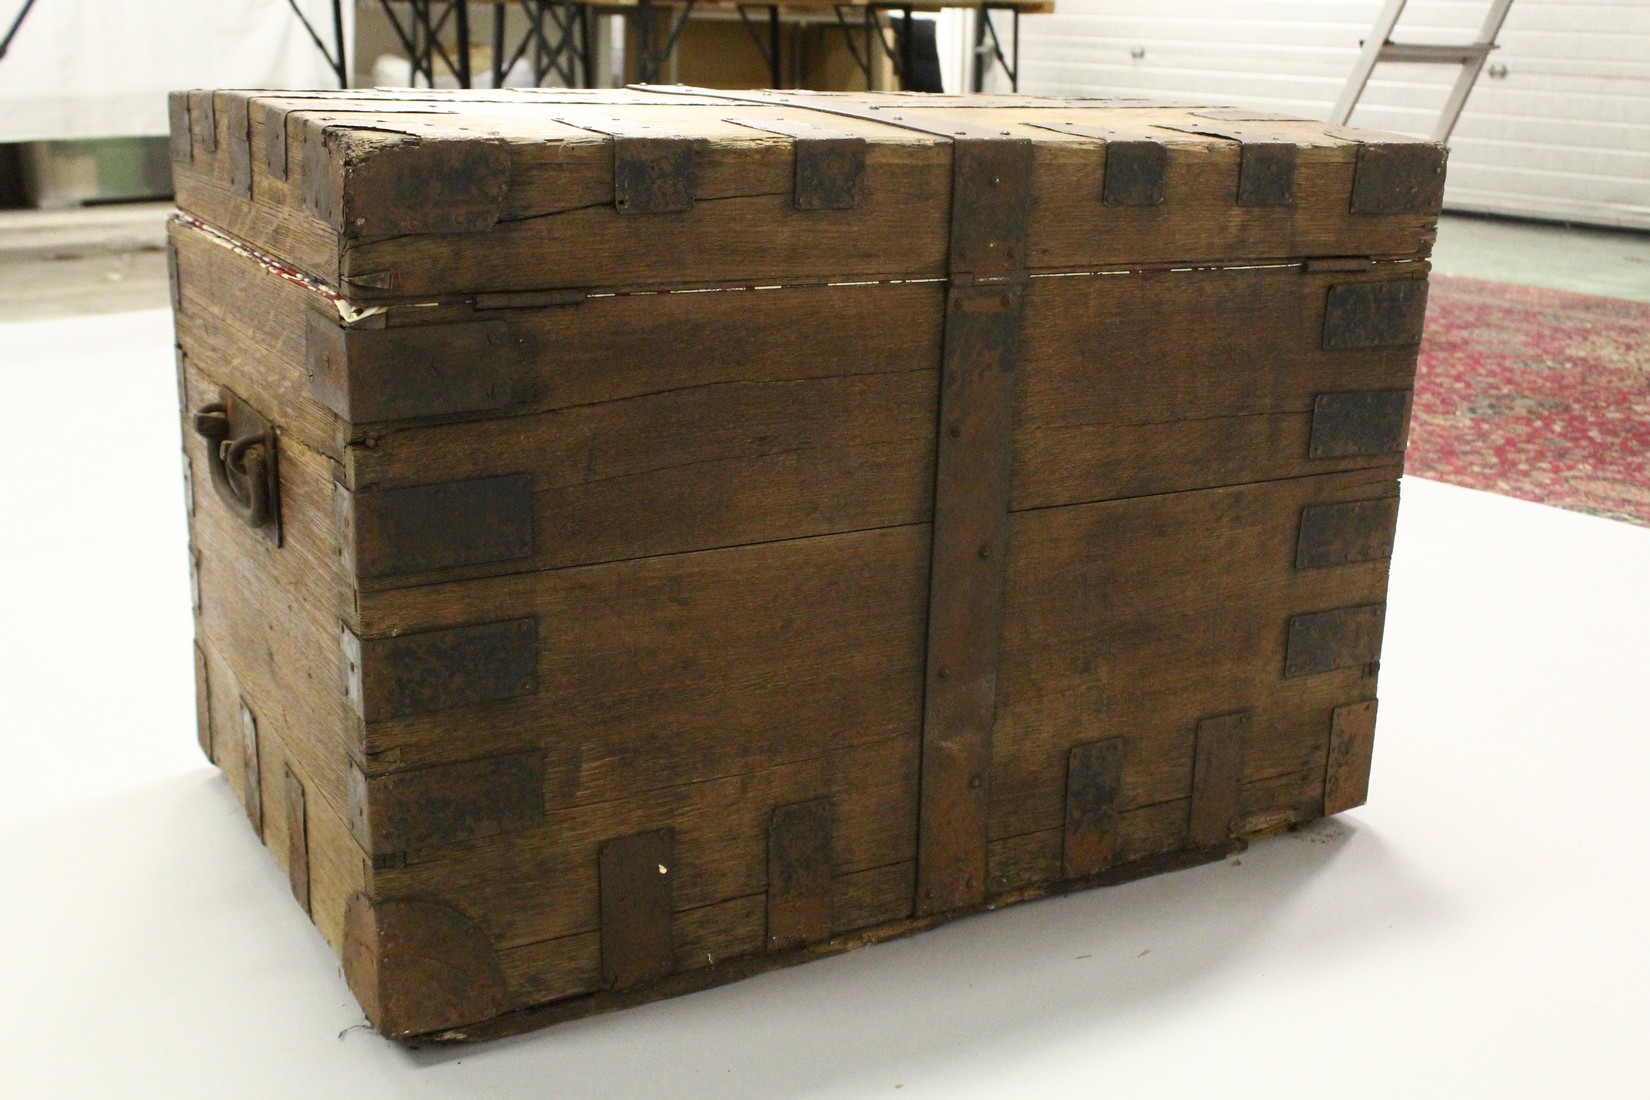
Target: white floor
x,y
1479,930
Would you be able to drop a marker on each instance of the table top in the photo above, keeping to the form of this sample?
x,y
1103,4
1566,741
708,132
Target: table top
x,y
1025,7
828,7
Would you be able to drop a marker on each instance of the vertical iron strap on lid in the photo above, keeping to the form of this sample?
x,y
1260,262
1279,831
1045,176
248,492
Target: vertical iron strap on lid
x,y
1266,165
830,165
655,171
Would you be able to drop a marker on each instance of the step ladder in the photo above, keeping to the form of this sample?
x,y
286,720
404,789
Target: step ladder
x,y
1379,47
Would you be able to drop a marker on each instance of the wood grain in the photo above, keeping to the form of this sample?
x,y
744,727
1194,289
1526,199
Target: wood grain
x,y
271,615
743,225
567,966
1132,385
1137,618
527,887
337,866
1217,777
717,464
1351,745
689,667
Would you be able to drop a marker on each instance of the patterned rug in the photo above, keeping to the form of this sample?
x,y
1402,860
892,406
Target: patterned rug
x,y
1537,394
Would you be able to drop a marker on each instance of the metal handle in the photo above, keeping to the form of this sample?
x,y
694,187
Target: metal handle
x,y
240,467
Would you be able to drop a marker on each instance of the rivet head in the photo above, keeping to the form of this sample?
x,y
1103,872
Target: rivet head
x,y
985,553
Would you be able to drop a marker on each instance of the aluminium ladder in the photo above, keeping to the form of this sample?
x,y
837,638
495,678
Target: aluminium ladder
x,y
1379,47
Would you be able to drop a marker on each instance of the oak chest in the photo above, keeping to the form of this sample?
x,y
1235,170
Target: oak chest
x,y
645,537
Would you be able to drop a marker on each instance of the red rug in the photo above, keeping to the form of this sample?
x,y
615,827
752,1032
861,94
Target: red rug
x,y
1537,394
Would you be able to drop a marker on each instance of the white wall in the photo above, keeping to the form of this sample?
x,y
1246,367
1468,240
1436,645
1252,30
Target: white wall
x,y
102,68
1565,134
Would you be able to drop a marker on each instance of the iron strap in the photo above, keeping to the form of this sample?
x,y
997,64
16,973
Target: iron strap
x,y
990,214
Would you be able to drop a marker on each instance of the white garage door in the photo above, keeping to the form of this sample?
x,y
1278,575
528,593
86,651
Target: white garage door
x,y
1558,128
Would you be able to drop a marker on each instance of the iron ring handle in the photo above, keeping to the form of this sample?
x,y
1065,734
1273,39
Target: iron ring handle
x,y
238,466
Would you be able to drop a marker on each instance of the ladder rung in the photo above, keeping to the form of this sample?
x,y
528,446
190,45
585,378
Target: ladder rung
x,y
1415,53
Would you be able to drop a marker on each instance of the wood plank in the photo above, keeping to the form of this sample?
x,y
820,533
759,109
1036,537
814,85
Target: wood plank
x,y
337,866
1137,618
635,892
244,327
562,356
672,670
1351,744
551,970
559,209
1132,385
297,830
863,899
1031,859
743,226
1217,777
1199,218
770,428
720,464
1266,805
527,887
261,615
306,565
1077,440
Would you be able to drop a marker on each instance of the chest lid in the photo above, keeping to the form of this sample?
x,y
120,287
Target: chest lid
x,y
431,195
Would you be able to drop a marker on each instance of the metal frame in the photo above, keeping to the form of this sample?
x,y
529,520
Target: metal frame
x,y
649,61
876,45
983,26
564,51
1379,47
337,59
421,37
16,25
769,49
556,40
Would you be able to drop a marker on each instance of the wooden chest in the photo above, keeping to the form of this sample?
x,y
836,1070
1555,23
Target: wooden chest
x,y
642,538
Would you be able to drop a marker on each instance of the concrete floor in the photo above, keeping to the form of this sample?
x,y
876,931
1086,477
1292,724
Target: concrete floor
x,y
97,259
1612,263
110,259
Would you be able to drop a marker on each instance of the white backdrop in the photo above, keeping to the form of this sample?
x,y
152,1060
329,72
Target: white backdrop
x,y
1558,127
102,68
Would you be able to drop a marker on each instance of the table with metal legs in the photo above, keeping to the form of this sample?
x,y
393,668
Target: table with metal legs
x,y
555,38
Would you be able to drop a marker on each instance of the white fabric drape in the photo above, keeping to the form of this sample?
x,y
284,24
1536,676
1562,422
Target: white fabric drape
x,y
102,68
